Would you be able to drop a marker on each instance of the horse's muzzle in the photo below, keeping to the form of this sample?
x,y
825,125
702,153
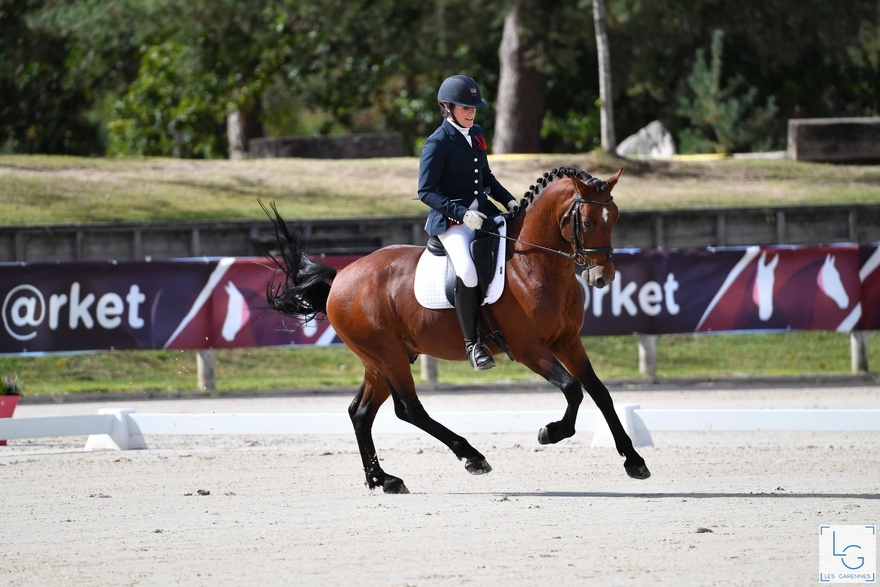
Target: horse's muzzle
x,y
599,276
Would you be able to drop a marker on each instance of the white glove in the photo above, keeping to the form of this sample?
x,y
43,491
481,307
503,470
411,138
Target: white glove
x,y
513,206
473,219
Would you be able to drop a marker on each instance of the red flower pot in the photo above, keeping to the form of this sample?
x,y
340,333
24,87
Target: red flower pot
x,y
7,406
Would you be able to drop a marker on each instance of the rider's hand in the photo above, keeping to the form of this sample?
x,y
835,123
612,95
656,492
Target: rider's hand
x,y
513,206
473,219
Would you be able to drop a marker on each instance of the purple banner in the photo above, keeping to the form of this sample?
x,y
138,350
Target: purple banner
x,y
221,303
755,288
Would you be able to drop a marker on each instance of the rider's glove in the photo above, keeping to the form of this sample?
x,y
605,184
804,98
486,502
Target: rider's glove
x,y
473,219
513,206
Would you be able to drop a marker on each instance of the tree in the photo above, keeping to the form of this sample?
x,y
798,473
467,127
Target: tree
x,y
723,119
42,99
520,89
606,95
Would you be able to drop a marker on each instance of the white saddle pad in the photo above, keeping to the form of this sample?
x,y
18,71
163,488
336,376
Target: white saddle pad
x,y
430,280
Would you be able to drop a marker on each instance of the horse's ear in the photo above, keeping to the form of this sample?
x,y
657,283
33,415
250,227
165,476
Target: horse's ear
x,y
612,181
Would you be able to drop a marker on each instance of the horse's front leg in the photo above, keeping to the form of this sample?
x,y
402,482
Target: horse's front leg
x,y
576,360
547,366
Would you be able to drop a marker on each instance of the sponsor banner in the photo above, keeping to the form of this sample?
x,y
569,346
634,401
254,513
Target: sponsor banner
x,y
188,304
754,288
869,275
221,303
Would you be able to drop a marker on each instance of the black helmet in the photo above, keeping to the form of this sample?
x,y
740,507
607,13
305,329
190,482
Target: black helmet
x,y
461,90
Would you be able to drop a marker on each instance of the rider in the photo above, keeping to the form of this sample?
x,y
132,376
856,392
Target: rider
x,y
455,180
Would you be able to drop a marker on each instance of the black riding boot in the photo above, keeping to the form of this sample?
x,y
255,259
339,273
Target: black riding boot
x,y
467,306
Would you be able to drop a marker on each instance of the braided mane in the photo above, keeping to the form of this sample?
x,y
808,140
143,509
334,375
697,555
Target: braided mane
x,y
542,182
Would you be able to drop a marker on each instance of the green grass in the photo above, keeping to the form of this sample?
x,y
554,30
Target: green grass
x,y
813,353
41,189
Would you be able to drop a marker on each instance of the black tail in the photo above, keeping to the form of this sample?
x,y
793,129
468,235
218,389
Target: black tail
x,y
306,284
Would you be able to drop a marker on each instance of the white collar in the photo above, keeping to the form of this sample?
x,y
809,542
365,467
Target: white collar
x,y
463,130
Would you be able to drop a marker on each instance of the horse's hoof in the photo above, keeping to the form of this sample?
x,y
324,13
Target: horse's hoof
x,y
544,436
477,466
637,471
394,485
551,434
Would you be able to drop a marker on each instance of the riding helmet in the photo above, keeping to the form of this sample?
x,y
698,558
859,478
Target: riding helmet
x,y
461,90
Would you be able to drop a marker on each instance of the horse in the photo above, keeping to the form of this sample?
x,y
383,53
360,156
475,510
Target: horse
x,y
372,307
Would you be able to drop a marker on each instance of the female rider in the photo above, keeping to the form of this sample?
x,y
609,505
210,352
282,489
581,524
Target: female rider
x,y
455,180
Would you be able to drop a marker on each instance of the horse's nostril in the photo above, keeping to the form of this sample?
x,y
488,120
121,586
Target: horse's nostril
x,y
600,282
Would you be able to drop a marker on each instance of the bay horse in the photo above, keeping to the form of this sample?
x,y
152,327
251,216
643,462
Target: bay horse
x,y
566,218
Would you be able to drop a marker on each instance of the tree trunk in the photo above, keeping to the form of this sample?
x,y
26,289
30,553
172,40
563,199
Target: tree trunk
x,y
606,106
241,127
235,135
520,109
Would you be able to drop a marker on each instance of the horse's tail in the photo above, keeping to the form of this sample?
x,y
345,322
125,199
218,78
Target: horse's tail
x,y
306,284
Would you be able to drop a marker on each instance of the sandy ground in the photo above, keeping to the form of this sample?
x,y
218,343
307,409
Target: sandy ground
x,y
722,508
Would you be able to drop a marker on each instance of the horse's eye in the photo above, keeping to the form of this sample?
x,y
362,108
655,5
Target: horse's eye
x,y
588,226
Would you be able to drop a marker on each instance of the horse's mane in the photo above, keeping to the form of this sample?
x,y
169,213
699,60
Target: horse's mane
x,y
557,172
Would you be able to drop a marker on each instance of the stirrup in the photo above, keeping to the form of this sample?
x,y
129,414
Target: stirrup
x,y
478,356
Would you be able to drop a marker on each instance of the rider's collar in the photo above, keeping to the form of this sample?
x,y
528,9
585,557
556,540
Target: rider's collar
x,y
463,130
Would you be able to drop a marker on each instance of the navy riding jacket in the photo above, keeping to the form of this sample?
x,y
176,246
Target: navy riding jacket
x,y
452,174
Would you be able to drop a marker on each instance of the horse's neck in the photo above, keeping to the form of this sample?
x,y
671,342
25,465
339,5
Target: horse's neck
x,y
541,225
538,227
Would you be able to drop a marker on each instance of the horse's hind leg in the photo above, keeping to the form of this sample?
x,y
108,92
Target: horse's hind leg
x,y
363,409
409,409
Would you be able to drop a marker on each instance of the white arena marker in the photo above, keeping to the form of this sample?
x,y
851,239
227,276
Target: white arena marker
x,y
632,425
120,437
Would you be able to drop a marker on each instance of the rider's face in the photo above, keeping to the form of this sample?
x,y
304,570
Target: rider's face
x,y
464,116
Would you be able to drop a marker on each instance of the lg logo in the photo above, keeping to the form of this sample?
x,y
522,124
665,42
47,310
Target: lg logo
x,y
25,309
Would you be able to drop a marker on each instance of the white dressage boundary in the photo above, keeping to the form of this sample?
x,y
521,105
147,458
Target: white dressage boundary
x,y
123,429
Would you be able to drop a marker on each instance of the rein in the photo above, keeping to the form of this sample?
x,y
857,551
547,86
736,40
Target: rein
x,y
580,251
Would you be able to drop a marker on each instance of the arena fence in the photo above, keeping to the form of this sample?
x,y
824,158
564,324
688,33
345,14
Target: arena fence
x,y
124,429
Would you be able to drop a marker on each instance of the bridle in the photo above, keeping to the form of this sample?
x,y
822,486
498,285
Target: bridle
x,y
580,251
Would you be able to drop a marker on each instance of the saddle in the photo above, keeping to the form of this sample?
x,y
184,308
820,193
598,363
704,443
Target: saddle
x,y
435,278
484,252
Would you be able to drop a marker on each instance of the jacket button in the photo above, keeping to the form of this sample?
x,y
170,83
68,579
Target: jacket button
x,y
475,159
475,192
476,170
476,181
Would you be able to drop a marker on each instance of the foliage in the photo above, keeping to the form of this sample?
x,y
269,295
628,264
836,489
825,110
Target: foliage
x,y
41,101
70,68
723,120
171,108
11,385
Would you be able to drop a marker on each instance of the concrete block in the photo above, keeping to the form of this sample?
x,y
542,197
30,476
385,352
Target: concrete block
x,y
834,140
120,437
632,424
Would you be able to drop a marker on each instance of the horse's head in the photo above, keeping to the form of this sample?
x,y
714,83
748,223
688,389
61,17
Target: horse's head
x,y
591,220
572,213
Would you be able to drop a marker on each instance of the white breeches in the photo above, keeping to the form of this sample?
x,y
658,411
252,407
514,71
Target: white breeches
x,y
457,242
